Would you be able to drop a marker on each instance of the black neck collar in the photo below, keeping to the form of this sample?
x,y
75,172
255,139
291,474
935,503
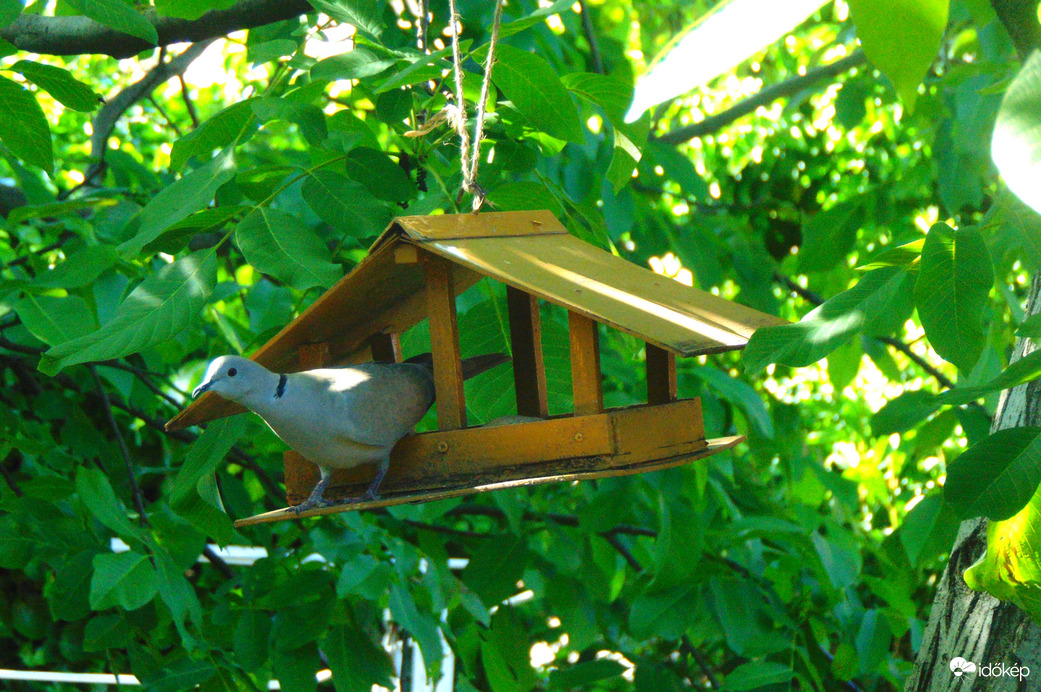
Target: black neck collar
x,y
283,380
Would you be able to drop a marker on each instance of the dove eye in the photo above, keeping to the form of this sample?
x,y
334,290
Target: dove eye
x,y
232,372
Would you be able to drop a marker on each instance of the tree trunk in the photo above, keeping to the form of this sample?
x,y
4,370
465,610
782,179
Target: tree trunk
x,y
974,625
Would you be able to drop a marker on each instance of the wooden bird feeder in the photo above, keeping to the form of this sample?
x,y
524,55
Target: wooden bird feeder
x,y
415,270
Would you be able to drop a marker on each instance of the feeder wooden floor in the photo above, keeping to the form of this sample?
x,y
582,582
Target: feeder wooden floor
x,y
445,464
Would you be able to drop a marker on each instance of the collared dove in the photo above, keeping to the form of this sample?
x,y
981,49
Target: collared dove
x,y
337,417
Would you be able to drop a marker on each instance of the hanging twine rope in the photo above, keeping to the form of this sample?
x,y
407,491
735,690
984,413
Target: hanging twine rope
x,y
455,113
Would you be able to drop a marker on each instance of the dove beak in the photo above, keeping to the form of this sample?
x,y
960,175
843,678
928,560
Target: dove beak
x,y
202,388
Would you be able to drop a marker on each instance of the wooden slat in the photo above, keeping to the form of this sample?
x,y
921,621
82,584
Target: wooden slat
x,y
314,356
661,375
586,384
444,344
529,370
636,450
449,458
386,348
492,224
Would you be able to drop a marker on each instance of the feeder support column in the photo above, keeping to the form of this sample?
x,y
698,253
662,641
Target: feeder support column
x,y
529,370
586,386
661,375
444,343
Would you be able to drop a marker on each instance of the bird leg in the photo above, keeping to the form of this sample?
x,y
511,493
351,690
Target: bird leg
x,y
372,493
315,499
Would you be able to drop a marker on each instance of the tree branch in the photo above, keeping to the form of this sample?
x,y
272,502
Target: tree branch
x,y
81,36
139,503
770,94
590,34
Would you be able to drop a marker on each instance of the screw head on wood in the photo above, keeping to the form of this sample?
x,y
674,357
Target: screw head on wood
x,y
442,447
579,437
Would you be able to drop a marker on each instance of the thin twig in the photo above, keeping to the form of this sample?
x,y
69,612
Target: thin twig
x,y
218,562
615,542
768,95
688,647
134,489
590,34
166,116
188,102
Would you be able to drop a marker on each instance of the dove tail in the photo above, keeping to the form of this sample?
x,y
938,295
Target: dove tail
x,y
471,366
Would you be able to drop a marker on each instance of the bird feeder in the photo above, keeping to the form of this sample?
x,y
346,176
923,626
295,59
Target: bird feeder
x,y
415,270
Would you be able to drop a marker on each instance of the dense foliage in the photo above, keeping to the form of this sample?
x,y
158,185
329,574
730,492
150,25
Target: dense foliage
x,y
212,194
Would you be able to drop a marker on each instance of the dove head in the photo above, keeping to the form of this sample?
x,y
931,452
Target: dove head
x,y
235,378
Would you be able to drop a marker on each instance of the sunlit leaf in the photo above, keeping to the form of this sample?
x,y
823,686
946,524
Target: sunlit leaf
x,y
954,280
23,127
1016,144
826,327
364,15
219,131
158,309
901,38
721,39
60,84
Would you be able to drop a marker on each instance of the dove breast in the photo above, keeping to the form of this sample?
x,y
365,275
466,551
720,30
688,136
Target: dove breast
x,y
342,417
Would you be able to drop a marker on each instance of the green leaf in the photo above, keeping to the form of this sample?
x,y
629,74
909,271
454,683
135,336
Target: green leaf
x,y
183,673
175,237
906,256
216,133
1030,328
534,19
928,530
97,495
664,612
951,293
829,236
903,413
356,662
295,670
23,126
175,591
68,595
582,675
1016,143
125,579
825,328
421,626
901,38
308,118
186,196
55,320
494,570
120,16
610,93
60,84
107,632
58,209
9,11
718,41
742,395
380,176
1026,369
280,245
997,476
161,307
345,204
355,64
754,676
191,9
364,15
1010,569
536,91
205,454
251,638
79,269
415,70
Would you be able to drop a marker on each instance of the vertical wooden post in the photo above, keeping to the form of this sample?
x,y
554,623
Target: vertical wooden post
x,y
661,375
585,365
444,344
529,370
386,348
